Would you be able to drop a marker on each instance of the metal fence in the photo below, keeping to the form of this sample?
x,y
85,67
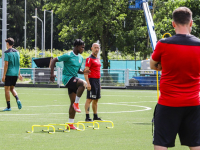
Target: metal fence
x,y
109,77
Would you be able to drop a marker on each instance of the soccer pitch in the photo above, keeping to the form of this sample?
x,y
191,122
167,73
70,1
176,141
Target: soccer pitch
x,y
131,112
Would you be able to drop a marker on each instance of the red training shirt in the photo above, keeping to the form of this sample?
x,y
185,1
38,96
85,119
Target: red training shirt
x,y
180,80
95,65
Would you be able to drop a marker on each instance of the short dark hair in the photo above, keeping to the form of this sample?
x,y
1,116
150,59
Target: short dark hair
x,y
78,42
182,15
10,41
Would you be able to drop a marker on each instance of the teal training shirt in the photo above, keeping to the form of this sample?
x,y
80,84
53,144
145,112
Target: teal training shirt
x,y
72,63
12,56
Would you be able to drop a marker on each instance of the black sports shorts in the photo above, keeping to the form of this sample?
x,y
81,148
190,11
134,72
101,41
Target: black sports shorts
x,y
95,92
72,85
168,121
10,80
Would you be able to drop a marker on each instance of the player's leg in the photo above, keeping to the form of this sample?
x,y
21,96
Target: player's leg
x,y
14,93
7,93
94,107
166,119
156,147
189,132
7,96
72,112
97,91
80,84
87,109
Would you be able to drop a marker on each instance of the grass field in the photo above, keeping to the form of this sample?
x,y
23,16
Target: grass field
x,y
130,110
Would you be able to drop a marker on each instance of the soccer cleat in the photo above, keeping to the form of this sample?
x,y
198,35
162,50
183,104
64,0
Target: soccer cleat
x,y
72,127
99,119
76,107
19,104
7,109
88,119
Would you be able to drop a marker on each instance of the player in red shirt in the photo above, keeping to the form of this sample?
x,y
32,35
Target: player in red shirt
x,y
178,108
93,82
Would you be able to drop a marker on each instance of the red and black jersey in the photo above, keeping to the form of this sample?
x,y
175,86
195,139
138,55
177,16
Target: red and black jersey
x,y
95,65
180,80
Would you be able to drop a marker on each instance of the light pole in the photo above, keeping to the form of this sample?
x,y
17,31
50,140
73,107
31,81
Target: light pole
x,y
42,34
35,33
51,29
25,28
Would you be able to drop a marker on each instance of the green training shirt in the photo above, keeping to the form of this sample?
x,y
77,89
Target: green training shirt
x,y
12,56
72,63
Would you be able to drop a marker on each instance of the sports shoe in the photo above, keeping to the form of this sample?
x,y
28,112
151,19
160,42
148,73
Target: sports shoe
x,y
7,109
72,127
76,107
88,119
19,104
99,119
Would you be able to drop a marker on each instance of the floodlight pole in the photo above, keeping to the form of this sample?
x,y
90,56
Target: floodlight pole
x,y
51,30
36,33
25,28
4,29
42,34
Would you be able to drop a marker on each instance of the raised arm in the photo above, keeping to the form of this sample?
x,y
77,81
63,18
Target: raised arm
x,y
53,63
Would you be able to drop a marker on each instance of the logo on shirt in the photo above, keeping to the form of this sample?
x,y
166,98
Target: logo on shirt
x,y
79,61
74,80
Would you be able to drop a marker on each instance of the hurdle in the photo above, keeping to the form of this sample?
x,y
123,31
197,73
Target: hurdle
x,y
77,124
106,121
48,126
67,128
92,123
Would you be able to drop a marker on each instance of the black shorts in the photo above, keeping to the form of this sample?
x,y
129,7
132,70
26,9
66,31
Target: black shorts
x,y
72,85
168,121
10,80
95,92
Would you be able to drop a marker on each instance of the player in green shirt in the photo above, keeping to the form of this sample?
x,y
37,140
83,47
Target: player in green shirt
x,y
11,73
72,63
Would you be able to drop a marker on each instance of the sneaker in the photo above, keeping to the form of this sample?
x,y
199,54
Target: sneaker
x,y
88,119
19,104
76,107
72,127
7,109
99,119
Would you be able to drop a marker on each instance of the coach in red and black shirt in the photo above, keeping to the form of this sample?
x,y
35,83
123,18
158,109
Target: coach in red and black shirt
x,y
93,82
178,108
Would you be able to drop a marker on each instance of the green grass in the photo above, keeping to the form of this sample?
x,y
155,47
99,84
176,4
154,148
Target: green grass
x,y
130,110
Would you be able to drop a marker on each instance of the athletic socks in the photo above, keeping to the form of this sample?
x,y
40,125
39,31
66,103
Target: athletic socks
x,y
8,104
77,99
87,116
16,97
71,120
95,116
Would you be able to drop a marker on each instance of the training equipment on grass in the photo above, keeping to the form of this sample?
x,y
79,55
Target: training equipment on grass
x,y
48,126
93,122
105,121
67,128
77,124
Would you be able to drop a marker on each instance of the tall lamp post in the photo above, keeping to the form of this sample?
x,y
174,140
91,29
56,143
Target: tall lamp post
x,y
51,28
42,34
25,28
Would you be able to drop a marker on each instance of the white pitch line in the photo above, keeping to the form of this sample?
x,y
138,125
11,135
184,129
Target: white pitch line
x,y
145,109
